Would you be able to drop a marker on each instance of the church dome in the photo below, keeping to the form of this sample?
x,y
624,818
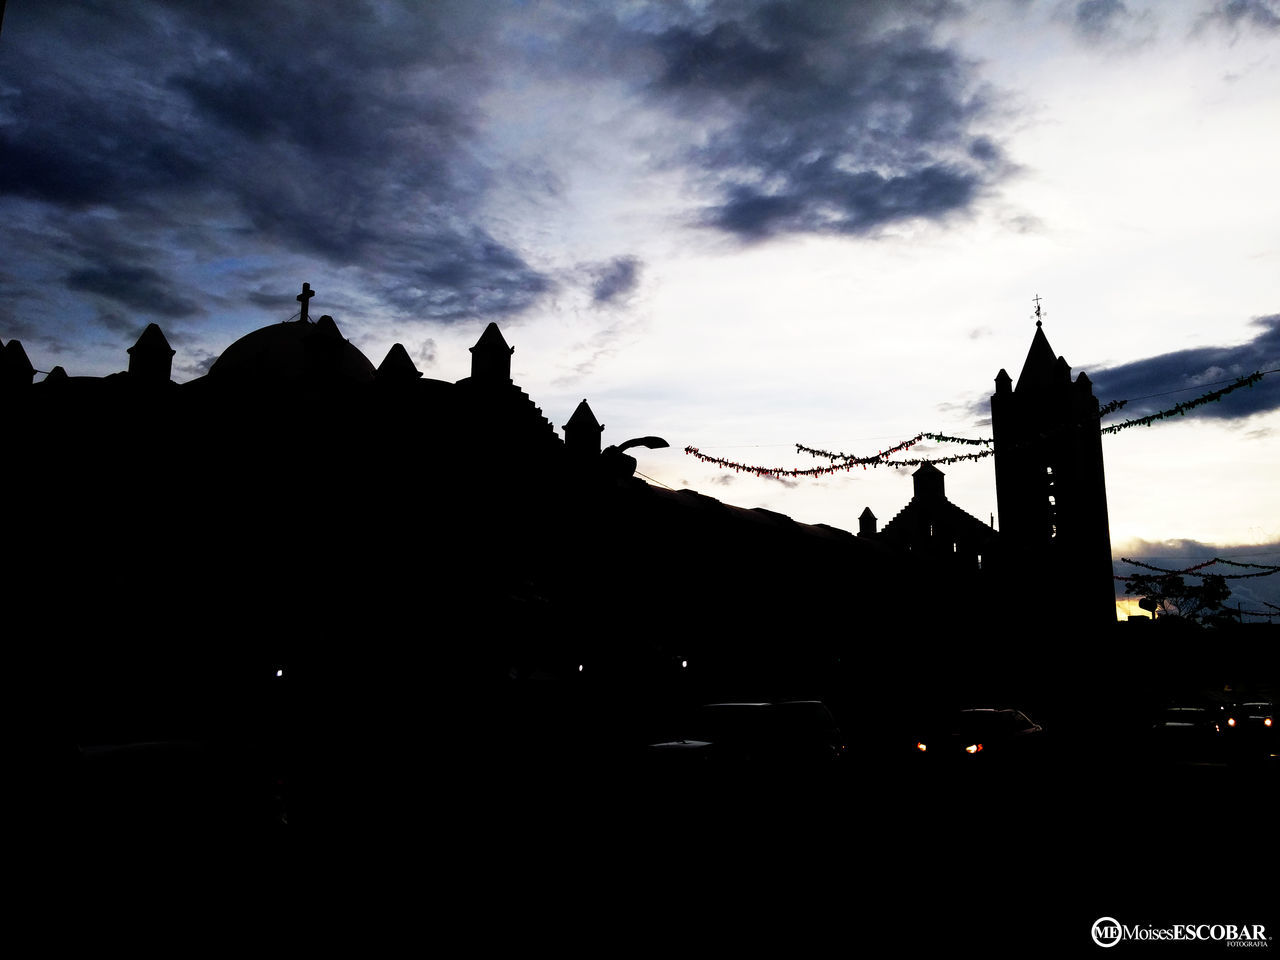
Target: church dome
x,y
294,351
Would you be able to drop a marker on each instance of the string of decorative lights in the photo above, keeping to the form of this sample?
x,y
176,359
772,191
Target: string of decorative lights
x,y
784,471
850,458
1180,409
1264,569
845,461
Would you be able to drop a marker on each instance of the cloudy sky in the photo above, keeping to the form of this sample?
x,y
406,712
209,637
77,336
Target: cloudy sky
x,y
739,225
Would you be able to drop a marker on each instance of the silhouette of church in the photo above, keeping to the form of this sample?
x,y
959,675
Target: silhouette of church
x,y
299,504
937,531
1052,554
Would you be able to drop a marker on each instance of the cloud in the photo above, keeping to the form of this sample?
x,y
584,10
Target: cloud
x,y
346,134
1096,18
1156,383
614,280
1109,21
353,137
427,352
831,119
134,286
1262,15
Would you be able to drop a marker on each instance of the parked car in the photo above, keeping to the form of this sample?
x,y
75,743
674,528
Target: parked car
x,y
1187,732
1248,729
1250,717
978,735
781,732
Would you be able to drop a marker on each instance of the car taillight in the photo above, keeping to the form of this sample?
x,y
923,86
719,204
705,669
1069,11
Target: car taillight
x,y
1231,721
1266,722
973,748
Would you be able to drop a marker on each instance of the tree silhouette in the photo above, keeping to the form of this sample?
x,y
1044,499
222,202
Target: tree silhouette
x,y
1174,597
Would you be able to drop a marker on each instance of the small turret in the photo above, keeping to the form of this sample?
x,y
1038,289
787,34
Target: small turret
x,y
866,523
151,358
929,482
397,367
582,433
491,357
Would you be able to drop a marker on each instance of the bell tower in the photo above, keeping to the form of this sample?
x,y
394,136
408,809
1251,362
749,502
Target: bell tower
x,y
1051,490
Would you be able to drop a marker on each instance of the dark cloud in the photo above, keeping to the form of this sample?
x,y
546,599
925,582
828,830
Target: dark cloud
x,y
343,132
351,135
824,118
1159,382
116,322
1105,20
271,300
1234,14
614,280
427,352
134,286
1162,381
1096,18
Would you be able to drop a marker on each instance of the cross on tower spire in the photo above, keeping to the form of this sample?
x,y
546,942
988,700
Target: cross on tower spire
x,y
1038,315
306,294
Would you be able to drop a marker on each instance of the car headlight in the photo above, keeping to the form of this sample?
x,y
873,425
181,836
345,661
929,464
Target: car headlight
x,y
921,747
973,748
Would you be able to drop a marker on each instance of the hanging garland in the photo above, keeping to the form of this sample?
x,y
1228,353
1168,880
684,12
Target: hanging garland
x,y
1181,408
833,468
782,471
850,458
943,438
1265,570
845,461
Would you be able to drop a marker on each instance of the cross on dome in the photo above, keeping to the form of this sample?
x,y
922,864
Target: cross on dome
x,y
306,294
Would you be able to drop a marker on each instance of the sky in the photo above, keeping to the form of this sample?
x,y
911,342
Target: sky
x,y
741,226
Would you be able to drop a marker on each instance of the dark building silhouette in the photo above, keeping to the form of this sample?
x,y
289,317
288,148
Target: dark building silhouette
x,y
299,504
935,530
403,542
1051,490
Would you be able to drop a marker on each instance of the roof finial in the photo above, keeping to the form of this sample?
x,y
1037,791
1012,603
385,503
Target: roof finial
x,y
1038,315
306,294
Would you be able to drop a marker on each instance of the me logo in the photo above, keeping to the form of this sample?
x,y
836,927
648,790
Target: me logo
x,y
1107,932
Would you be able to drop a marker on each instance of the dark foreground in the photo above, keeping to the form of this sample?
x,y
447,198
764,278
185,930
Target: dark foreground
x,y
528,815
